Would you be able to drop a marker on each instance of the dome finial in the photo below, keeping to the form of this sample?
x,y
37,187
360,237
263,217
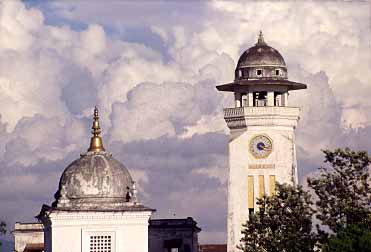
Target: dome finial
x,y
261,39
96,143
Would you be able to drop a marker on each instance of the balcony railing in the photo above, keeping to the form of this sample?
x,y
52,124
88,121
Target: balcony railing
x,y
251,111
241,117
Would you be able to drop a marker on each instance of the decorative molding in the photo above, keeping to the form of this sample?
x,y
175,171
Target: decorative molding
x,y
261,166
100,216
241,117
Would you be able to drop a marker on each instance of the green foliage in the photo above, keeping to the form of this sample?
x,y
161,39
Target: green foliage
x,y
344,196
283,223
354,238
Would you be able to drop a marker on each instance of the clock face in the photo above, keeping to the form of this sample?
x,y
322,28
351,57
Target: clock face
x,y
260,146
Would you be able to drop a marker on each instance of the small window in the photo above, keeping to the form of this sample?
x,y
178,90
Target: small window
x,y
251,211
277,72
100,243
187,248
259,72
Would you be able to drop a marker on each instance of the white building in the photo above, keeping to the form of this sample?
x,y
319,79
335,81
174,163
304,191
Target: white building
x,y
95,207
262,140
28,237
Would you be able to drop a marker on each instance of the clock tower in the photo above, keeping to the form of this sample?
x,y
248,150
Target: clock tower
x,y
262,140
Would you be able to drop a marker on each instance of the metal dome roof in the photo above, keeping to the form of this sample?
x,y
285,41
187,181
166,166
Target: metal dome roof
x,y
94,179
261,55
261,67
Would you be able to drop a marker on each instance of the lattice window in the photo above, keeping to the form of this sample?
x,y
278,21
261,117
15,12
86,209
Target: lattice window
x,y
100,243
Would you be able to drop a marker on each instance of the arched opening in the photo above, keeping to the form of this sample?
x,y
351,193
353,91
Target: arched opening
x,y
260,99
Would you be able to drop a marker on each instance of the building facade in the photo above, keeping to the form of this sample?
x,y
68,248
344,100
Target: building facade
x,y
262,139
173,235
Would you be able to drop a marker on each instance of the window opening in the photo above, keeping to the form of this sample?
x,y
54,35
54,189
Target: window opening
x,y
187,248
245,73
100,243
259,72
277,72
277,99
260,99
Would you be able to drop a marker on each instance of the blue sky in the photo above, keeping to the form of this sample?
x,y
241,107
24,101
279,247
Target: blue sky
x,y
152,68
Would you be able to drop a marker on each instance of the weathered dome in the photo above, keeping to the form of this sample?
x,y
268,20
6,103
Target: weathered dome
x,y
95,181
95,178
261,61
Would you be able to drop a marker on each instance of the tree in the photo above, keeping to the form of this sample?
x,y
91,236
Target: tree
x,y
354,238
2,229
283,223
344,196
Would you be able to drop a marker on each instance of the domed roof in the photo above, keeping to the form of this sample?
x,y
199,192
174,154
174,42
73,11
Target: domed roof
x,y
96,177
96,180
261,55
258,68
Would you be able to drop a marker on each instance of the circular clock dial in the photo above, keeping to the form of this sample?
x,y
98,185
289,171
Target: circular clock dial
x,y
260,146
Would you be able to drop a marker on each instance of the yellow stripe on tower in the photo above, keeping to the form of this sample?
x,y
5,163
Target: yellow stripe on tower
x,y
272,185
261,186
250,191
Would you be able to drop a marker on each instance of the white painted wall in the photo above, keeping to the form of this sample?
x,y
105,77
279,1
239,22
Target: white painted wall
x,y
278,123
27,233
70,230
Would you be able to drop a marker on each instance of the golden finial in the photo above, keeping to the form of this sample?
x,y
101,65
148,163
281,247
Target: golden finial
x,y
261,39
96,143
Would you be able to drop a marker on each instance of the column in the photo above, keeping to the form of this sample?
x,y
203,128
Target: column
x,y
237,99
284,96
244,100
250,192
270,98
272,184
261,186
250,98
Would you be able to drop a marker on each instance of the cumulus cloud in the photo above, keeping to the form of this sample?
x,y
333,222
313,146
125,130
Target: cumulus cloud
x,y
154,110
160,112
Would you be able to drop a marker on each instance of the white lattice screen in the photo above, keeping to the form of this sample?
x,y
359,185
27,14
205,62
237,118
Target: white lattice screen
x,y
100,243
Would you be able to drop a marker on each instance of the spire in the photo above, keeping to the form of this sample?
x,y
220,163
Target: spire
x,y
96,143
261,39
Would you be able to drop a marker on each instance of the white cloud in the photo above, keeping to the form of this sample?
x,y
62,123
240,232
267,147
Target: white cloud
x,y
51,77
332,37
154,110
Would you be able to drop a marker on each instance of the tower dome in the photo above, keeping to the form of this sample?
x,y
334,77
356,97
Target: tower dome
x,y
261,62
96,180
261,68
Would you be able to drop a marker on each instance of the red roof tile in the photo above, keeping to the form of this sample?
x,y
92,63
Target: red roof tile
x,y
213,248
